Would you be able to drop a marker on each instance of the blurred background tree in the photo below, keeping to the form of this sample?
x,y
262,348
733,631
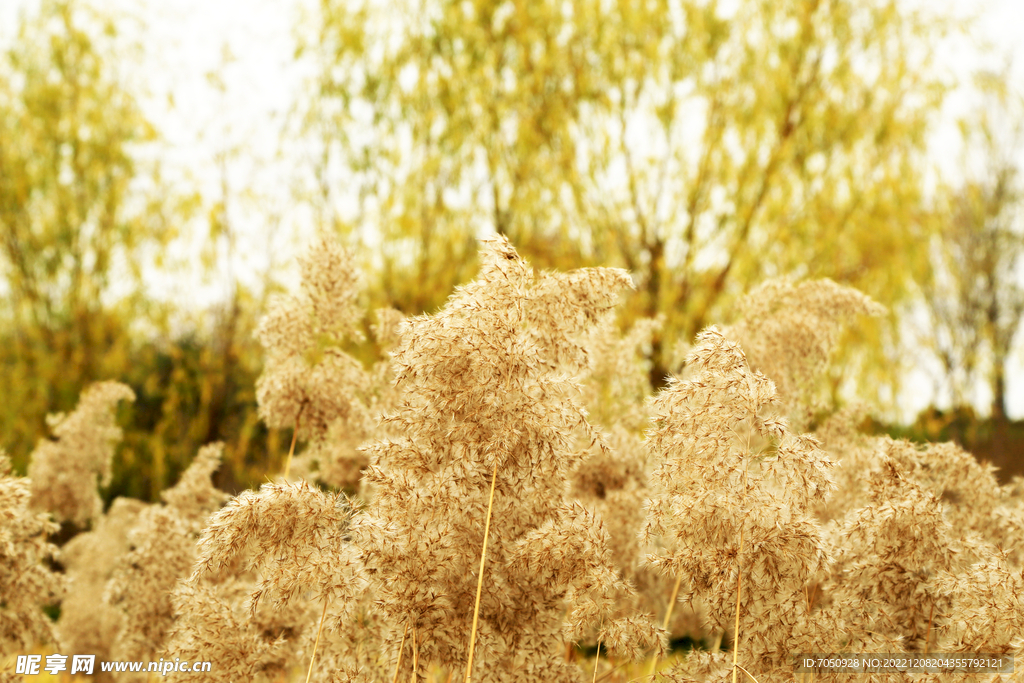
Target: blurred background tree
x,y
82,213
68,234
973,289
702,145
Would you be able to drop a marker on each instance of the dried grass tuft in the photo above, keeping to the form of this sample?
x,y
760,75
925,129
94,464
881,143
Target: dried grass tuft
x,y
487,390
27,584
68,471
732,497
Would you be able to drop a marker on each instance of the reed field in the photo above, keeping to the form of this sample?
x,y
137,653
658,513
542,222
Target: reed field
x,y
505,499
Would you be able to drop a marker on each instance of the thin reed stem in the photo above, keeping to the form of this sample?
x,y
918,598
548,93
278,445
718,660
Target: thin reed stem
x,y
668,616
415,656
316,642
746,672
401,651
597,658
606,674
295,436
736,628
928,633
568,643
480,579
811,595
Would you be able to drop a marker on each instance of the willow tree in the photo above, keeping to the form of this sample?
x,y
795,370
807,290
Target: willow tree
x,y
442,122
66,154
74,226
702,145
973,294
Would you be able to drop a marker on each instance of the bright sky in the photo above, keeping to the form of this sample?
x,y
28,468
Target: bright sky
x,y
221,80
